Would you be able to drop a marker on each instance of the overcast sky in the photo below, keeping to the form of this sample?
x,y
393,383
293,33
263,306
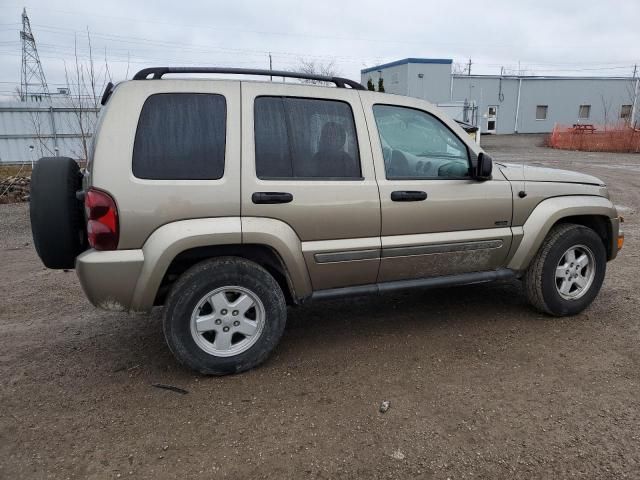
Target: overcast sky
x,y
546,37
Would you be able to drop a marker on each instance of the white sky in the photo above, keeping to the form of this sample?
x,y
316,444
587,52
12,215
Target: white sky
x,y
547,37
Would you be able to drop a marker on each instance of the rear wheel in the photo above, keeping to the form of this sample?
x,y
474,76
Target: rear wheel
x,y
567,272
224,316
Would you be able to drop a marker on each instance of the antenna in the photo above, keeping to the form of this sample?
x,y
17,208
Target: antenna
x,y
32,80
523,193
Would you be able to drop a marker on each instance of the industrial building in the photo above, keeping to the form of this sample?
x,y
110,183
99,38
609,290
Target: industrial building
x,y
30,130
512,103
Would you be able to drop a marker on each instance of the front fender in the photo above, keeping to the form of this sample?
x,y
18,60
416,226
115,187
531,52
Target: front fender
x,y
547,213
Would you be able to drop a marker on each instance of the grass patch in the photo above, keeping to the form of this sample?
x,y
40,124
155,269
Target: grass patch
x,y
12,170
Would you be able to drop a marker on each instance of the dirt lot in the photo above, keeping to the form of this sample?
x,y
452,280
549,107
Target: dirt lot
x,y
480,385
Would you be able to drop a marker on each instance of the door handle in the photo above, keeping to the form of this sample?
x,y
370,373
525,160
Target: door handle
x,y
271,197
408,196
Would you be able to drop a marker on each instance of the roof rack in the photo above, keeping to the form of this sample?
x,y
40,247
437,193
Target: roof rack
x,y
158,72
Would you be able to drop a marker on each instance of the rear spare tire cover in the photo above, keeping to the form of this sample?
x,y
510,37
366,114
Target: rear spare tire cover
x,y
56,213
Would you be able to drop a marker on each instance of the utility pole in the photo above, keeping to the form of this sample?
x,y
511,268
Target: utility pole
x,y
32,80
634,107
469,68
270,67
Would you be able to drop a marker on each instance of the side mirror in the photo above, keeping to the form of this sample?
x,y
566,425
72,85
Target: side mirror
x,y
484,167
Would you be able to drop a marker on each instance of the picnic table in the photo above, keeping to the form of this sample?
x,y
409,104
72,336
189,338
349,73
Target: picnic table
x,y
584,127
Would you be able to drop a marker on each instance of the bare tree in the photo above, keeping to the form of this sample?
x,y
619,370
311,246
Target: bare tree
x,y
458,68
38,127
85,82
515,72
42,146
313,67
606,109
633,93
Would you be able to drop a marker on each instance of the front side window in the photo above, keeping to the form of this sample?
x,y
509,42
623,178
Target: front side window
x,y
584,111
416,144
181,136
305,138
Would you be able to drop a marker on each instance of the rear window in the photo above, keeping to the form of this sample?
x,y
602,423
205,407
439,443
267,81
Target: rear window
x,y
181,136
305,138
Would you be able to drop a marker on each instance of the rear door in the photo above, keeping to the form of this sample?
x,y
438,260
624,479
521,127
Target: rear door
x,y
306,161
436,220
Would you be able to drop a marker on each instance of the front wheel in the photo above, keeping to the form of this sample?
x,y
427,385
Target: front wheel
x,y
224,316
567,272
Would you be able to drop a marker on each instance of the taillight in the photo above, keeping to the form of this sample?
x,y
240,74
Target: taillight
x,y
102,220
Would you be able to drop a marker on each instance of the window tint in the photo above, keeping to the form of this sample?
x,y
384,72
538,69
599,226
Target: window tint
x,y
415,144
305,138
181,136
541,112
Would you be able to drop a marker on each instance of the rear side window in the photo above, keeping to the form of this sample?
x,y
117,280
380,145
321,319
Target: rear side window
x,y
305,138
181,136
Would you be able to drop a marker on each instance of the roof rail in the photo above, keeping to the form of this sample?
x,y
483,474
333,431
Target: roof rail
x,y
158,72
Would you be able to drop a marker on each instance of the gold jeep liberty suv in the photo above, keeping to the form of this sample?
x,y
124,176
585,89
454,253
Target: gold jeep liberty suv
x,y
227,200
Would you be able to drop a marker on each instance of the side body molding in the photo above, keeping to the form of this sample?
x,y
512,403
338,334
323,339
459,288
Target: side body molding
x,y
547,213
280,237
168,241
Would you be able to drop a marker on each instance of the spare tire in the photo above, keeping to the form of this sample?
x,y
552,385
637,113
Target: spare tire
x,y
57,218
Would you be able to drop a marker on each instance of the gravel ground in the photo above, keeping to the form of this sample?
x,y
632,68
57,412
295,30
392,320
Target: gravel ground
x,y
479,384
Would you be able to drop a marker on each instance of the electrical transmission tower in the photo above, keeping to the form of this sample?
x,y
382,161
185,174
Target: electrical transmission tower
x,y
32,80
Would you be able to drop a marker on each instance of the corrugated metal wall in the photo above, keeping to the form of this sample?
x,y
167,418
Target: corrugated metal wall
x,y
562,96
30,130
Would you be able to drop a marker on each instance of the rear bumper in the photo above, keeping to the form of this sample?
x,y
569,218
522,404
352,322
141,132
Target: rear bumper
x,y
109,278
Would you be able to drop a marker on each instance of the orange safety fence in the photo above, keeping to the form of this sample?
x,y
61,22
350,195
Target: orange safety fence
x,y
596,138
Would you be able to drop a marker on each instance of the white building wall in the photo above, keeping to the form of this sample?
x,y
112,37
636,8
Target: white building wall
x,y
395,78
434,85
563,96
416,77
488,91
432,80
30,130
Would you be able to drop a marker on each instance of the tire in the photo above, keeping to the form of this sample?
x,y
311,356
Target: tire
x,y
551,270
57,219
190,303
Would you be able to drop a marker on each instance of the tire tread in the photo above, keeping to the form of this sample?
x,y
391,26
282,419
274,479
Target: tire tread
x,y
533,277
174,315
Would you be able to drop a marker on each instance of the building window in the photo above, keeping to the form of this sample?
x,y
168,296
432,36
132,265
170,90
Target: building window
x,y
585,111
625,112
394,77
541,112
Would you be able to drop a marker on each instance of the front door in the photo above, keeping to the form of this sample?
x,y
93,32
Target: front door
x,y
307,164
492,119
436,220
